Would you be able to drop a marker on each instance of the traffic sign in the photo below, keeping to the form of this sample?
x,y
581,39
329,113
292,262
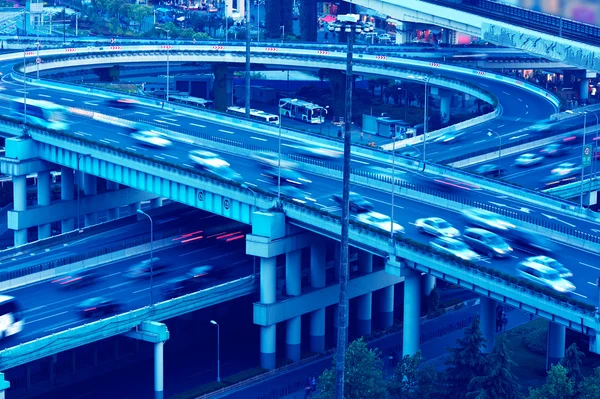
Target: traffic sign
x,y
38,60
112,40
586,156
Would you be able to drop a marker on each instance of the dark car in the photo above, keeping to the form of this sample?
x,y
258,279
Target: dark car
x,y
529,242
489,170
554,150
180,286
82,278
121,103
98,306
486,242
142,269
288,176
357,202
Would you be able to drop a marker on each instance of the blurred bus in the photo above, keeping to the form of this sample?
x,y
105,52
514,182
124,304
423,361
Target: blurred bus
x,y
11,317
302,110
42,114
254,114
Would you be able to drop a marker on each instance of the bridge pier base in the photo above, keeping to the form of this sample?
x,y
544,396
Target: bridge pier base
x,y
4,385
20,205
43,199
293,334
268,338
156,203
488,324
364,302
386,307
317,331
158,370
112,213
556,344
67,188
293,287
268,295
412,313
318,264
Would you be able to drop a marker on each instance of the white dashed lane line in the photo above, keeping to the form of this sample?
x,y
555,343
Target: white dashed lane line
x,y
225,131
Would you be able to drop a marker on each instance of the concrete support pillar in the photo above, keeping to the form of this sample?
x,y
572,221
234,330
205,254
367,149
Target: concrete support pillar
x,y
90,188
67,187
267,280
428,284
156,203
44,199
337,247
556,343
20,204
445,98
158,370
317,331
386,307
293,334
317,265
336,322
412,314
4,385
112,213
134,207
403,32
268,336
584,87
364,302
488,323
293,273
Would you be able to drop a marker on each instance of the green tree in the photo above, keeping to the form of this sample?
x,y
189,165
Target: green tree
x,y
413,381
308,20
363,379
273,18
433,303
590,387
557,386
466,361
498,381
571,362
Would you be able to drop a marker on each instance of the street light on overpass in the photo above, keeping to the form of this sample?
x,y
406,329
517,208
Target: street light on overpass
x,y
584,114
218,349
168,53
490,133
141,212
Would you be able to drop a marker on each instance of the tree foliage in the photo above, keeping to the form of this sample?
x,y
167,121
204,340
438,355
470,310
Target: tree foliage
x,y
413,381
498,380
590,387
363,379
466,361
273,18
557,386
308,20
572,362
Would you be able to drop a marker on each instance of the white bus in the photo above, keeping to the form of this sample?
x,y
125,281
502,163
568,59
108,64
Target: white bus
x,y
42,113
255,114
11,317
302,110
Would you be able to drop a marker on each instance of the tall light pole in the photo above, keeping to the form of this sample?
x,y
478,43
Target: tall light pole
x,y
279,160
37,64
226,24
79,187
490,132
24,93
248,58
595,146
282,27
342,339
141,212
218,349
393,189
582,165
168,53
426,117
258,21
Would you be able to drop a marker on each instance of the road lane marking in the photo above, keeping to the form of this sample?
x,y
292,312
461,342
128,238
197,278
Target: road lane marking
x,y
67,99
590,283
519,136
109,275
189,166
169,156
112,141
131,149
47,317
166,123
225,131
44,95
583,296
196,124
258,138
519,99
90,103
500,126
357,161
250,184
508,94
169,119
119,285
104,141
159,157
142,113
518,119
384,202
593,267
142,290
477,142
63,325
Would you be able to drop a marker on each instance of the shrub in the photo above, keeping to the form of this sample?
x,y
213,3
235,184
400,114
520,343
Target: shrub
x,y
535,341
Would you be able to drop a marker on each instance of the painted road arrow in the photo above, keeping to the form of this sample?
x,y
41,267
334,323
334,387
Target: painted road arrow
x,y
521,209
558,220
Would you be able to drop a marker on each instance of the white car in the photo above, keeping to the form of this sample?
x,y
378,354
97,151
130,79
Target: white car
x,y
437,227
486,219
207,159
450,137
455,247
151,138
380,221
317,152
528,159
566,169
544,275
548,262
272,159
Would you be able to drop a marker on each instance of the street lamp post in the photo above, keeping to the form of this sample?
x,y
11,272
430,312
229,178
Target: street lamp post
x,y
252,191
426,118
248,58
168,54
226,24
595,146
393,188
37,64
79,188
282,27
582,165
141,212
279,161
490,132
218,349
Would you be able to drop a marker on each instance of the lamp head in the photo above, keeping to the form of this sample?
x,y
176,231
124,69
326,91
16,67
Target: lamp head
x,y
141,212
214,322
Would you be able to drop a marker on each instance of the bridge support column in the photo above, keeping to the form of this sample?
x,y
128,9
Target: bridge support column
x,y
293,287
556,343
318,263
268,295
113,213
20,204
89,188
156,203
445,99
43,197
158,370
67,187
488,323
4,385
364,302
412,313
403,34
584,87
428,284
134,207
386,307
220,86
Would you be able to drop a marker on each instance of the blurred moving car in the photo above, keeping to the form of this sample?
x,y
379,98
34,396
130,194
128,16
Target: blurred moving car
x,y
288,176
549,262
489,170
544,275
98,306
214,164
82,278
437,227
454,247
566,169
13,320
528,160
486,242
150,138
314,151
379,221
486,219
357,202
528,241
121,103
554,150
271,160
143,269
450,137
41,113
